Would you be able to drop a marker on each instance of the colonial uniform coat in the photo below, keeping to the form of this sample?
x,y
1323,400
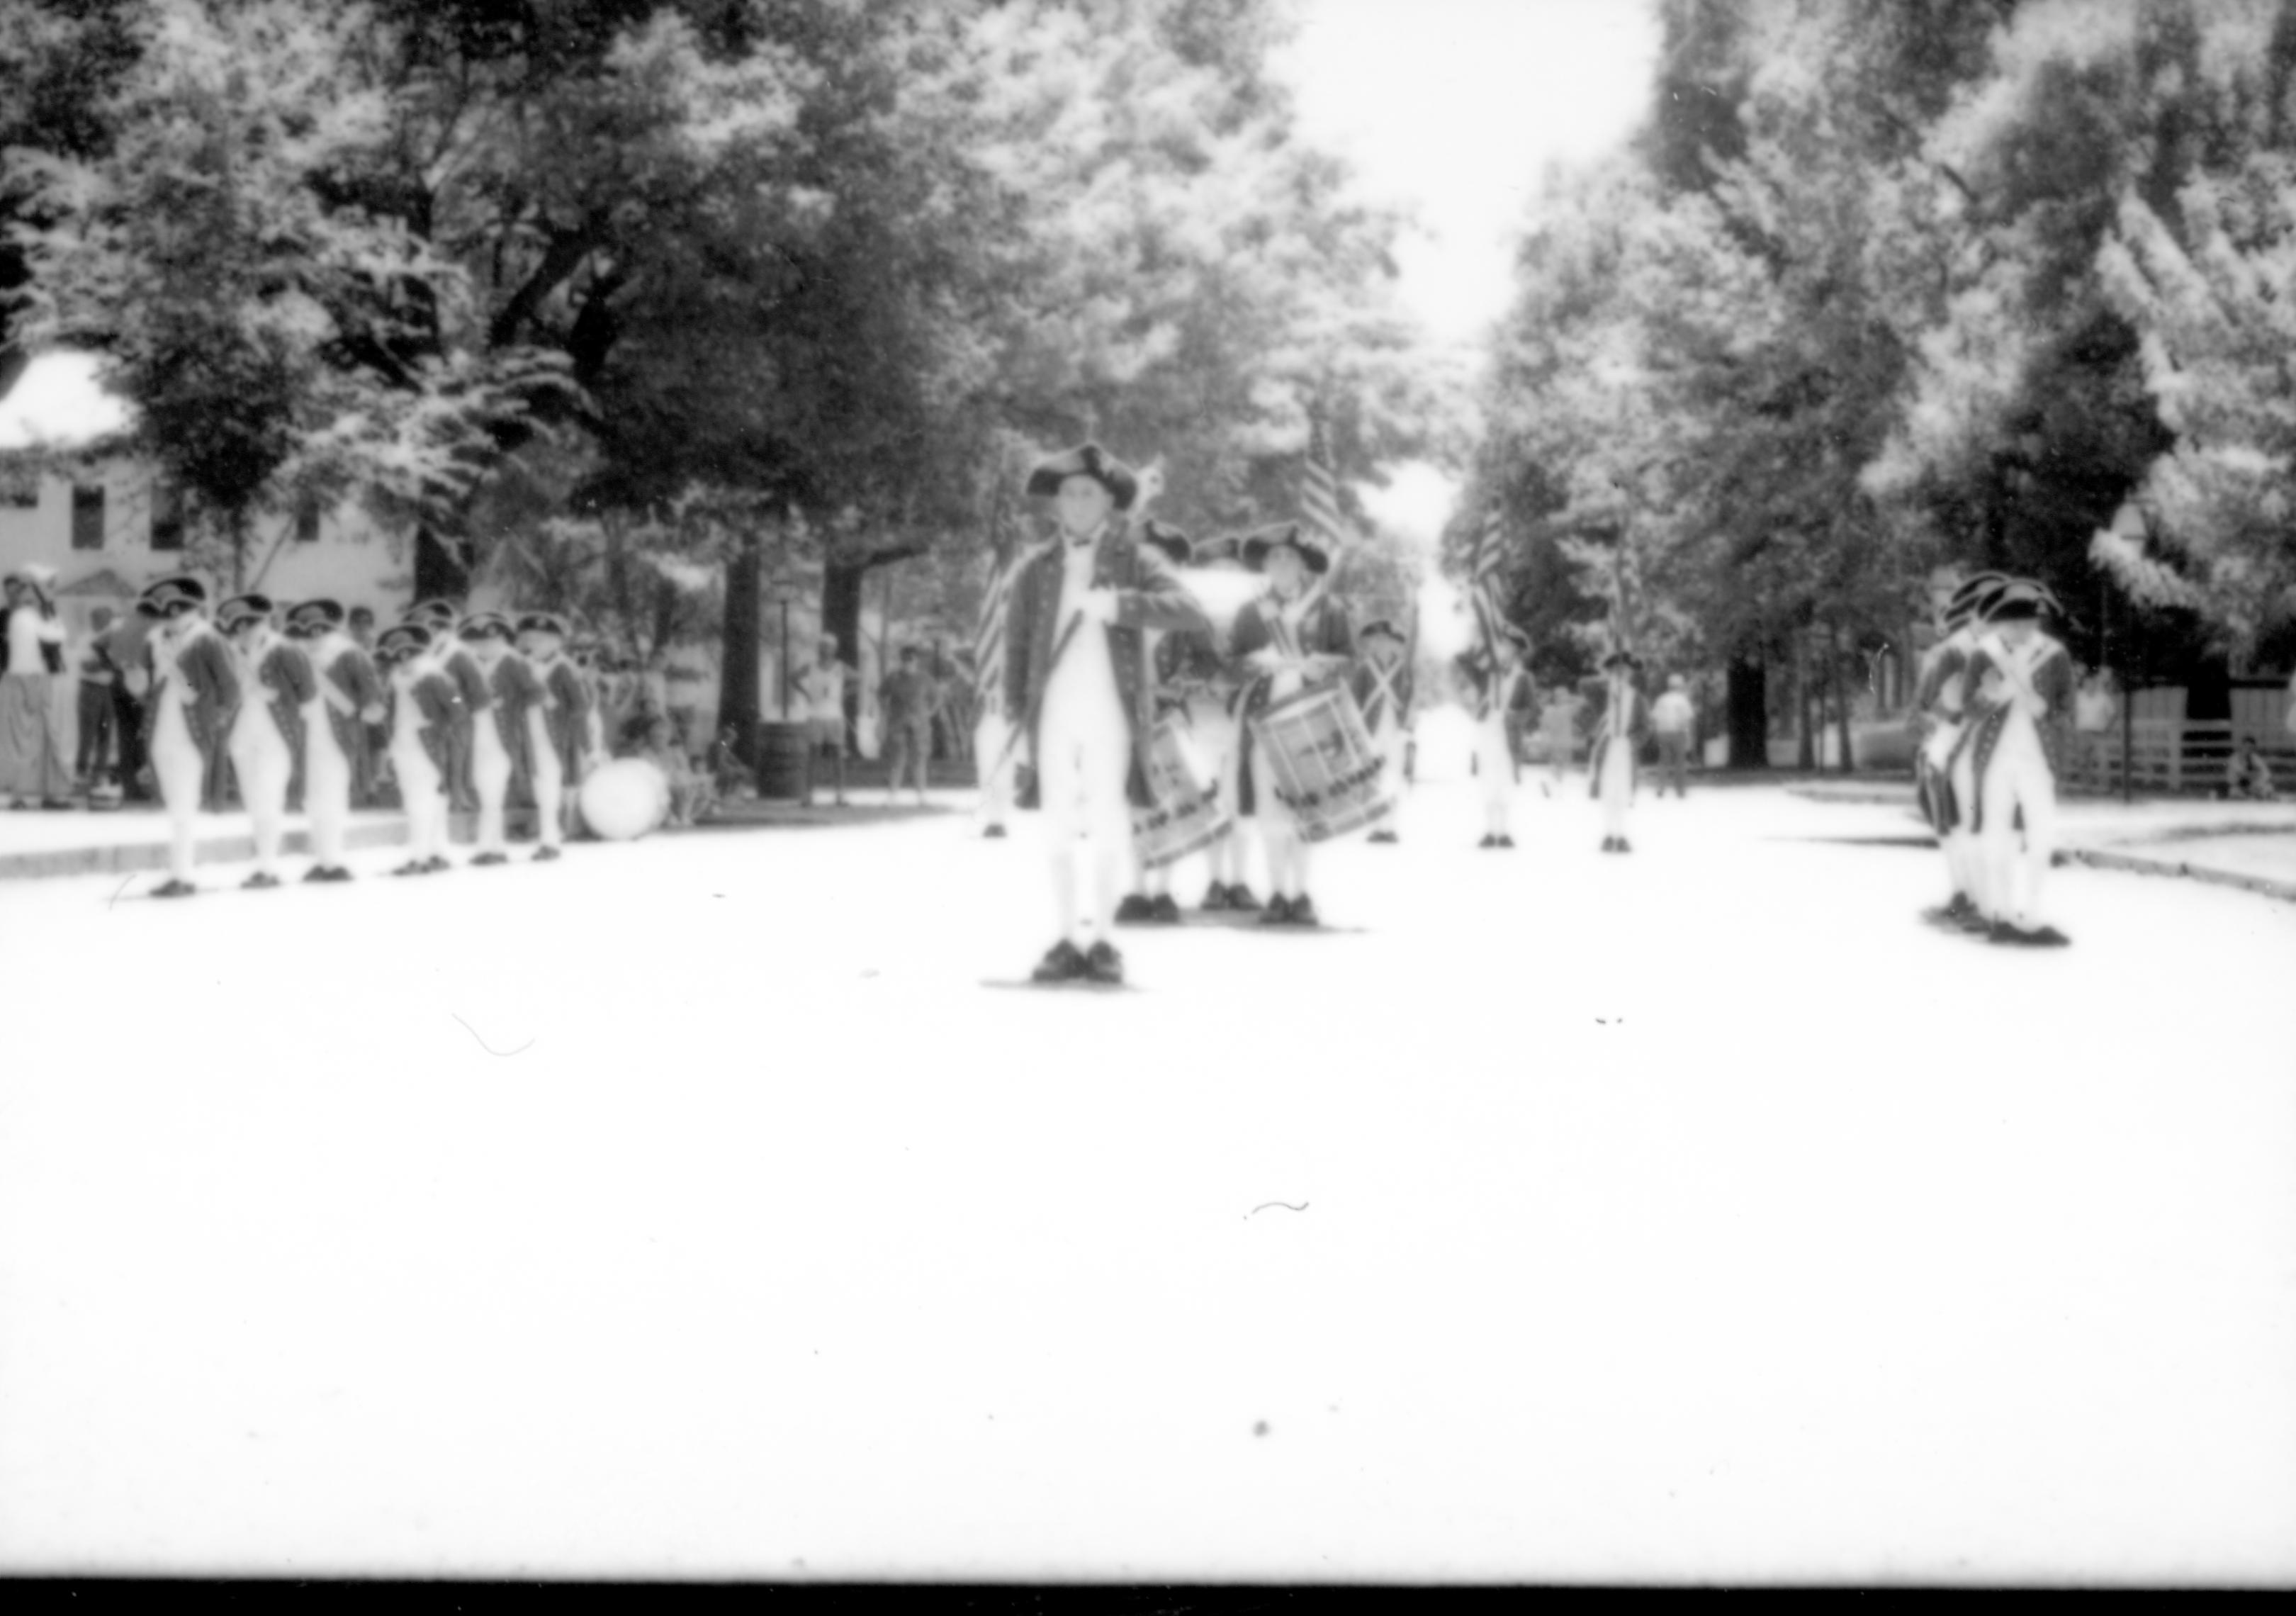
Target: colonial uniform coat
x,y
1383,696
500,744
558,732
268,738
194,693
345,686
423,705
1149,595
1941,704
2021,698
471,700
1311,627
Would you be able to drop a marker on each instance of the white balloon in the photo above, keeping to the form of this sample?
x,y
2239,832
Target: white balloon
x,y
624,799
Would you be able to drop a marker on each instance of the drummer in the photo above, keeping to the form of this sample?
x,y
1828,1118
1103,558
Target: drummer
x,y
1167,655
1291,640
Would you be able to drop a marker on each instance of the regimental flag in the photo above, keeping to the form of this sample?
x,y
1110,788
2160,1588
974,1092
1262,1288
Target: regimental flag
x,y
1319,495
988,638
1486,587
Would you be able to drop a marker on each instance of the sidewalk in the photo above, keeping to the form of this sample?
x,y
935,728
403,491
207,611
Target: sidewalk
x,y
2247,845
82,842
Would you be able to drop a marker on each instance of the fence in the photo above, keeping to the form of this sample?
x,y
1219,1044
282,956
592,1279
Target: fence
x,y
2168,751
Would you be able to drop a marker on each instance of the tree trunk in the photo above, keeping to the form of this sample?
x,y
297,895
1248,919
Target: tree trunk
x,y
737,660
840,615
1746,699
440,574
1840,700
1805,740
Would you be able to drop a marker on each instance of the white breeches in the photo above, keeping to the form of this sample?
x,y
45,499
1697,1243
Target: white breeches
x,y
422,791
490,772
1494,771
2016,863
1391,743
181,773
326,789
1084,751
990,736
260,756
549,781
1617,785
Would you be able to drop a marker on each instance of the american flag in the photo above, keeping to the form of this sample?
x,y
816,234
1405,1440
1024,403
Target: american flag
x,y
989,635
1486,590
1319,494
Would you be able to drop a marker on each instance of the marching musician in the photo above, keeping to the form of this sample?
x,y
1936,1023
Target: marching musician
x,y
1293,639
451,658
1940,712
2021,686
558,730
1500,695
1172,657
346,697
267,733
1215,720
1618,739
191,693
1075,685
422,704
1382,682
500,738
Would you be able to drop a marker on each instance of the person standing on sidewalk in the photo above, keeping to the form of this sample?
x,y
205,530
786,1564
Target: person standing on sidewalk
x,y
99,679
908,699
823,686
1618,740
1671,719
31,657
124,643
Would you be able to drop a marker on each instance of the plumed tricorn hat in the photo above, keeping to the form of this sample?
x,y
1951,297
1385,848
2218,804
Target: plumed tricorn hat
x,y
1259,545
1086,460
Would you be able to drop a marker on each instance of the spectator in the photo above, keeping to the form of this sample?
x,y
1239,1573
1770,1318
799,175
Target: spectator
x,y
99,675
734,783
124,644
2095,705
1672,717
2251,775
908,699
822,686
31,657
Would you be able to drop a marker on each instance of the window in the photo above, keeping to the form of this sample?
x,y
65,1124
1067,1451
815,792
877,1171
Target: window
x,y
306,520
87,518
21,496
166,517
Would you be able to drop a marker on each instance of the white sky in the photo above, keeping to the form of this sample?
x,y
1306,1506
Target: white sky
x,y
1455,107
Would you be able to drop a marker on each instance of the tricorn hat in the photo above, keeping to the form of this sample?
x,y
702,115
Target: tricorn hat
x,y
487,625
1178,548
240,609
171,597
2021,597
402,640
1258,546
309,620
1622,657
1086,460
543,622
434,613
1379,626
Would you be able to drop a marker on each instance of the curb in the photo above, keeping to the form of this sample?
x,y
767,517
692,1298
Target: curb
x,y
2262,886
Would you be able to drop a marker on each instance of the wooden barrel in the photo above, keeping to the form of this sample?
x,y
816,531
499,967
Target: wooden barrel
x,y
784,762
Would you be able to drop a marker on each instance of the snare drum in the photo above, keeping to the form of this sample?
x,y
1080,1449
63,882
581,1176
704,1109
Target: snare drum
x,y
1186,814
1321,764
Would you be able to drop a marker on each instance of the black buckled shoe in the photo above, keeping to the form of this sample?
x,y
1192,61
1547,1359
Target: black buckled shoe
x,y
1133,911
1215,900
485,860
1488,841
1062,963
1163,910
1506,841
994,832
1302,911
1278,912
1103,965
261,880
544,855
315,873
1239,898
172,887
